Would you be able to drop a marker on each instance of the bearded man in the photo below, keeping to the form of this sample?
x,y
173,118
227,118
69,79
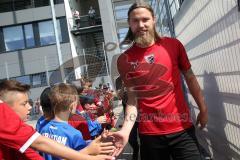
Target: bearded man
x,y
151,70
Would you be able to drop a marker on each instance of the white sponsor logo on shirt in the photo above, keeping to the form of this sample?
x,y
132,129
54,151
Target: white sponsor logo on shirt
x,y
59,139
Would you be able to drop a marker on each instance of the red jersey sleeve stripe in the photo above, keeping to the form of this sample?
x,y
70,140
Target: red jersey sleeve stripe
x,y
29,142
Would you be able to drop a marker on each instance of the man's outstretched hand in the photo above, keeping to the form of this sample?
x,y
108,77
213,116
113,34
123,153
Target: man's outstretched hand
x,y
120,140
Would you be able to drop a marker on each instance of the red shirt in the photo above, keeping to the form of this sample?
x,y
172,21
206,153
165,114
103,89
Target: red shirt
x,y
13,154
15,136
80,124
80,108
153,74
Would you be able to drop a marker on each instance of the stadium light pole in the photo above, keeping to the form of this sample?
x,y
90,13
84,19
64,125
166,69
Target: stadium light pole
x,y
6,67
57,42
105,58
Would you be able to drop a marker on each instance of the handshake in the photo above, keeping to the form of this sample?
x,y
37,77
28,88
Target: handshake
x,y
108,143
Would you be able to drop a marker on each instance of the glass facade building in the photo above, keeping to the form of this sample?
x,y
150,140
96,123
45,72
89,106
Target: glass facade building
x,y
30,35
165,10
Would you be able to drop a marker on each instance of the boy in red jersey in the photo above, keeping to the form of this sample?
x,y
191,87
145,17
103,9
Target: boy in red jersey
x,y
15,94
16,136
151,70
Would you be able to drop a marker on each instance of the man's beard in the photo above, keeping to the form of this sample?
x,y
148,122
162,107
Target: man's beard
x,y
146,39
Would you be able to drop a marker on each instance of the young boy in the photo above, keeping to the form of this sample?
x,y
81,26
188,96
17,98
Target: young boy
x,y
15,94
64,101
94,122
75,120
46,108
80,120
16,136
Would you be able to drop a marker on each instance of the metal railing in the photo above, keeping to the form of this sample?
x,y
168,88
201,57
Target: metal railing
x,y
83,22
94,61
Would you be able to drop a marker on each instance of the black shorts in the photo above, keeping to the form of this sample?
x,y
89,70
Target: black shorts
x,y
178,146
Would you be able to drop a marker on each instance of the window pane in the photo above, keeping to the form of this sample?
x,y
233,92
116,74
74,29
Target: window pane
x,y
5,6
122,33
63,30
121,11
2,45
30,42
46,33
18,5
119,7
39,79
59,30
40,3
36,80
24,79
58,1
13,38
121,14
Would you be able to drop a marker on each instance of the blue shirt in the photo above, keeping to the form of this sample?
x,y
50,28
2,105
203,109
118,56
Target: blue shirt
x,y
94,127
62,133
41,123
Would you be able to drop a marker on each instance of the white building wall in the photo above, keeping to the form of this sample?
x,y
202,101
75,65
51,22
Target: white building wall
x,y
9,65
29,15
74,42
210,31
33,60
110,34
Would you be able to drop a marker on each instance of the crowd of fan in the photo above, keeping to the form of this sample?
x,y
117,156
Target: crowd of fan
x,y
77,117
94,111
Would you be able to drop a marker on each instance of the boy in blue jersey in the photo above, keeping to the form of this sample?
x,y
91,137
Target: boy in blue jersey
x,y
75,120
91,131
64,100
47,109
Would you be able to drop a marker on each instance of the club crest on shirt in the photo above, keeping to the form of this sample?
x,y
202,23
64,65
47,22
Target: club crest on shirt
x,y
134,64
149,58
